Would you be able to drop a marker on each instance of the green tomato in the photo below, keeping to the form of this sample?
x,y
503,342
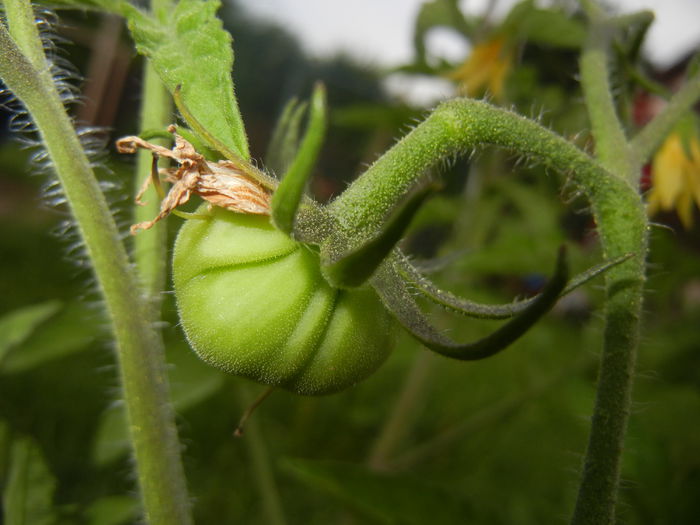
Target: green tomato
x,y
253,302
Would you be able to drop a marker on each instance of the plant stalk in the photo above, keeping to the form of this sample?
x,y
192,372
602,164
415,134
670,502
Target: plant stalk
x,y
458,126
611,145
139,352
149,253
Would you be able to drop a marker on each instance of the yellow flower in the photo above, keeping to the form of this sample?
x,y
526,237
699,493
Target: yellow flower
x,y
675,176
485,69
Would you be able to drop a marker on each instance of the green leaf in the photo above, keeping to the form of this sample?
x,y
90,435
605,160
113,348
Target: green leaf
x,y
188,47
289,193
381,498
18,325
28,495
70,331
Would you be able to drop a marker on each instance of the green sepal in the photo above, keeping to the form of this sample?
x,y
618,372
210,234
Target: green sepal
x,y
289,193
285,138
352,268
461,306
396,295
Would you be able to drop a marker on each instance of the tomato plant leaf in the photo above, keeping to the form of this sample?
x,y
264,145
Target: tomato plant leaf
x,y
190,49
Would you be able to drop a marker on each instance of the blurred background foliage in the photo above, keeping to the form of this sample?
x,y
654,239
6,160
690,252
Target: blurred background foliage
x,y
426,439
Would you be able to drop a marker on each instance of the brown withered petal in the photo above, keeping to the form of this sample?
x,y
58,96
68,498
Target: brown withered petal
x,y
219,183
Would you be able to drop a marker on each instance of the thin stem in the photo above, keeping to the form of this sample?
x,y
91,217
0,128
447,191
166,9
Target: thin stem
x,y
263,474
21,24
248,412
149,246
139,352
611,144
645,143
599,484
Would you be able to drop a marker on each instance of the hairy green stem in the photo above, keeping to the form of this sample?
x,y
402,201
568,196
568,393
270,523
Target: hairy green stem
x,y
139,351
458,126
23,29
597,495
610,142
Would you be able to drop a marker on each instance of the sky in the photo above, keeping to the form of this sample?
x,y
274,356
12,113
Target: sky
x,y
379,32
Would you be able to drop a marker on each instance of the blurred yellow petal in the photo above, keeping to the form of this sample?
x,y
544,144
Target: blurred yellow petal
x,y
667,172
486,67
676,178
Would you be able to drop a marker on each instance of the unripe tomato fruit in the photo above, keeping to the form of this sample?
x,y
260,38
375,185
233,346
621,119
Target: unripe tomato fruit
x,y
253,302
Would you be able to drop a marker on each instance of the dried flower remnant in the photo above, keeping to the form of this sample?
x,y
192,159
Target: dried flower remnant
x,y
220,183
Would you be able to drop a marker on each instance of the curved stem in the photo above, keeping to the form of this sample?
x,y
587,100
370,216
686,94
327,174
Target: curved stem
x,y
456,127
139,352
